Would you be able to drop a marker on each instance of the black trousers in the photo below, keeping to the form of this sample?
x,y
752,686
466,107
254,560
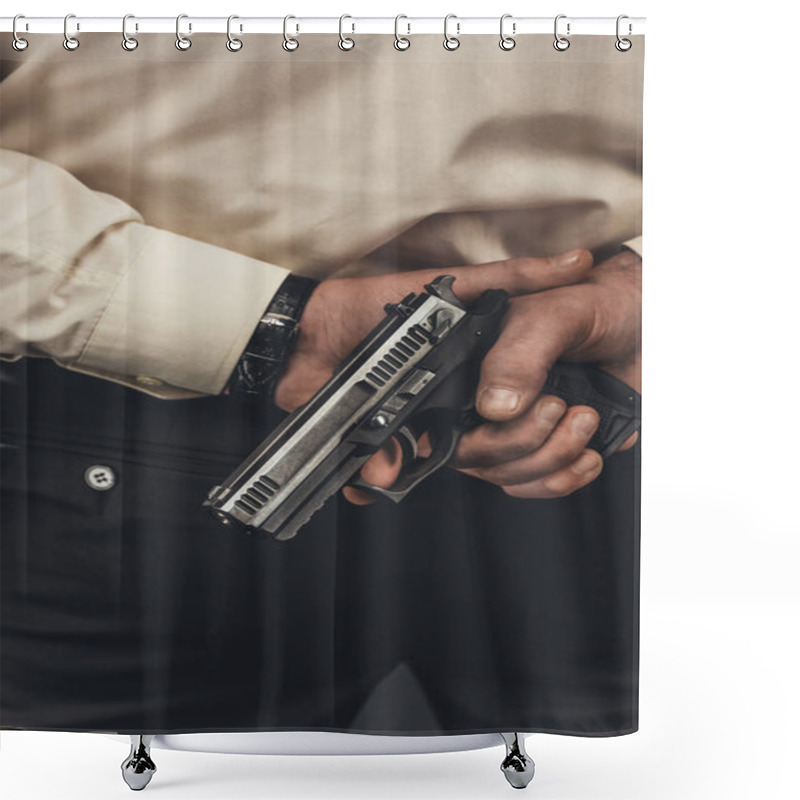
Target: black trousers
x,y
131,610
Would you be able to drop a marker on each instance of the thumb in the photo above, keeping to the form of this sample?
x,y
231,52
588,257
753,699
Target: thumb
x,y
521,275
537,330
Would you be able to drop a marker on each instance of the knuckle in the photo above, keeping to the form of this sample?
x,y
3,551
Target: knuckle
x,y
519,447
560,454
474,452
530,439
495,475
567,305
519,491
480,473
503,479
626,259
559,485
539,431
583,421
523,267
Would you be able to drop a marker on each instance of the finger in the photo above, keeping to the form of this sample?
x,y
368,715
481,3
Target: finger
x,y
382,469
536,331
629,442
424,445
563,482
498,442
520,275
562,448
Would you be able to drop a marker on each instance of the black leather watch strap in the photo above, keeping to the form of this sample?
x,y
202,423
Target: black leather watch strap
x,y
268,349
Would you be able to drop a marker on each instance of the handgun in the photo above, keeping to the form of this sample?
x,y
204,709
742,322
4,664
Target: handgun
x,y
416,371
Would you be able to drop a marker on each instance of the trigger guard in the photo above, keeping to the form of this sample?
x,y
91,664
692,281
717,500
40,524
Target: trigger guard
x,y
444,440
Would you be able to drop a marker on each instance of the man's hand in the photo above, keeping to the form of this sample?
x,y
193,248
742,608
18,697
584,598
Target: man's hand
x,y
341,312
531,446
534,446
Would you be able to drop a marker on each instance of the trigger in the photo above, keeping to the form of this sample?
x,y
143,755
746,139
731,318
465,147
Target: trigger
x,y
408,444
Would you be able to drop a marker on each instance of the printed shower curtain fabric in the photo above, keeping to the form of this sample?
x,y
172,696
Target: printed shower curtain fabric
x,y
153,203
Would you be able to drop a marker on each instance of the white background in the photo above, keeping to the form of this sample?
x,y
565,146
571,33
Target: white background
x,y
719,679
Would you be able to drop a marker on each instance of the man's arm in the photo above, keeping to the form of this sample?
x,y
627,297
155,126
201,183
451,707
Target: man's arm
x,y
86,283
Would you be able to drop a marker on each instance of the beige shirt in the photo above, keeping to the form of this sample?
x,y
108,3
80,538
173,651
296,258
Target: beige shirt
x,y
153,201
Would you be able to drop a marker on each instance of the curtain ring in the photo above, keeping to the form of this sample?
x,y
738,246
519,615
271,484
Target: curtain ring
x,y
507,42
128,42
560,43
401,42
451,42
290,44
623,45
70,42
233,44
345,42
181,42
18,43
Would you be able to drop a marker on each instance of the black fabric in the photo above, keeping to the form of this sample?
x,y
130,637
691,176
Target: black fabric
x,y
131,610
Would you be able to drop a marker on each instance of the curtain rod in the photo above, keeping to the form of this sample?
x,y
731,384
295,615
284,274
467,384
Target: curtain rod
x,y
386,25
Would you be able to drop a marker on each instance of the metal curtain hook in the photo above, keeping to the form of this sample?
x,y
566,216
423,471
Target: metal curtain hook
x,y
70,42
233,44
451,42
128,42
623,45
18,43
345,42
181,42
290,44
507,42
401,42
561,43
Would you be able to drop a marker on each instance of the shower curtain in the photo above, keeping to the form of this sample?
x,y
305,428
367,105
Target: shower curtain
x,y
153,202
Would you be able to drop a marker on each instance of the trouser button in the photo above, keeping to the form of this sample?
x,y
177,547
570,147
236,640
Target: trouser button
x,y
100,477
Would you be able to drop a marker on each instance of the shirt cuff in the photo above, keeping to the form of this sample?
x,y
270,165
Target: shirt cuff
x,y
635,245
179,316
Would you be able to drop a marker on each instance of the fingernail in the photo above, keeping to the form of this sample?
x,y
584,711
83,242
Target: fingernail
x,y
550,412
588,462
495,400
584,424
568,259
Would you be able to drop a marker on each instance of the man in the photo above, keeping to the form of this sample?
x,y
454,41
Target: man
x,y
148,227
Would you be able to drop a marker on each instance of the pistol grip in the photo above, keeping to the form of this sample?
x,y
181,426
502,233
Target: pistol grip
x,y
618,405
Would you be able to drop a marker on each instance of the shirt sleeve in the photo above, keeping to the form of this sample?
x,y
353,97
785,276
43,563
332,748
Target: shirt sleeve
x,y
86,283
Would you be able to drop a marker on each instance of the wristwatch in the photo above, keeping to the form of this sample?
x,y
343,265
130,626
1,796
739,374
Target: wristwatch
x,y
269,347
